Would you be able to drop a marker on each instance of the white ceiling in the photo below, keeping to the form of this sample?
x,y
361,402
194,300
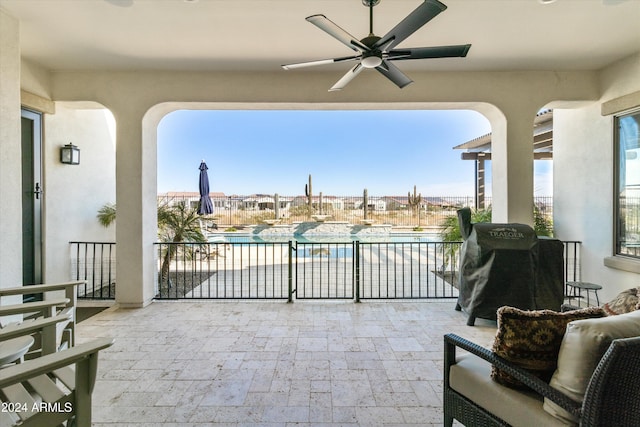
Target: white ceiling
x,y
263,34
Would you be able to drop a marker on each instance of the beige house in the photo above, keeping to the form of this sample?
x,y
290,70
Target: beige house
x,y
103,74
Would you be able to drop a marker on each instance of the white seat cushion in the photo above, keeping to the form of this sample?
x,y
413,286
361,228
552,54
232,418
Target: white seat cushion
x,y
471,377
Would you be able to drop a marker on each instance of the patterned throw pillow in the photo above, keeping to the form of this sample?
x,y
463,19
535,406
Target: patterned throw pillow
x,y
531,340
626,302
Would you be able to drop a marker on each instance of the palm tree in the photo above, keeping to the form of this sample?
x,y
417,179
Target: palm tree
x,y
107,214
451,229
176,224
450,234
542,224
179,223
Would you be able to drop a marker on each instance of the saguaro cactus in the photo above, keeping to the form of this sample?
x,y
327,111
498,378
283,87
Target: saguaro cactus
x,y
365,202
414,202
308,191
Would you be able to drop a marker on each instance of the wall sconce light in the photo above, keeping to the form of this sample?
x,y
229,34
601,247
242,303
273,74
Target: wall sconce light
x,y
70,154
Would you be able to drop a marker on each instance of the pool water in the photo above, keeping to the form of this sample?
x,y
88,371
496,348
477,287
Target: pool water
x,y
321,251
390,238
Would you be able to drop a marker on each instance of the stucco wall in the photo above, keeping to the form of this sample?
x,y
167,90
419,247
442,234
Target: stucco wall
x,y
513,99
583,178
75,193
35,79
10,154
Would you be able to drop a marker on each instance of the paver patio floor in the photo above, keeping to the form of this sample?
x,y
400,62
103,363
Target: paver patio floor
x,y
248,363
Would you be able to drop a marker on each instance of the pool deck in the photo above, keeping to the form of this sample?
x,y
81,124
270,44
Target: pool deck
x,y
270,363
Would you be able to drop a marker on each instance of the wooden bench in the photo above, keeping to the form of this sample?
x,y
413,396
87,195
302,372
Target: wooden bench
x,y
51,389
56,299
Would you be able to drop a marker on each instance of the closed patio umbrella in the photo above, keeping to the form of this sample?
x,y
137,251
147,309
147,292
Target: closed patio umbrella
x,y
205,207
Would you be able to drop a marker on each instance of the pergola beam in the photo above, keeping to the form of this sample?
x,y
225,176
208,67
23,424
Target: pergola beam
x,y
487,156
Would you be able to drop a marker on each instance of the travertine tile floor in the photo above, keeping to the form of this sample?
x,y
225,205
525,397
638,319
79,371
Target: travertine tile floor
x,y
246,363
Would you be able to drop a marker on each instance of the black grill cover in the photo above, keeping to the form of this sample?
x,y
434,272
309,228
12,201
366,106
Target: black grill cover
x,y
549,291
506,264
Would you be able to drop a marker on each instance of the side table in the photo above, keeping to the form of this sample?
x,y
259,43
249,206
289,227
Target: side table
x,y
587,287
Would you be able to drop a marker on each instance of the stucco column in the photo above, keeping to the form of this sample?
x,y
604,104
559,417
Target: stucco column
x,y
11,154
136,202
512,166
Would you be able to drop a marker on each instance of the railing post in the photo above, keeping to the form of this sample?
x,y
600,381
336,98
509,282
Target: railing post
x,y
357,269
290,278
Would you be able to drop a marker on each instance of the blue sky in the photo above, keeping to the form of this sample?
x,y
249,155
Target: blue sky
x,y
274,151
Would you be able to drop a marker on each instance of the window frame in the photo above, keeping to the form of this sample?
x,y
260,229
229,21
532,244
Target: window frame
x,y
617,217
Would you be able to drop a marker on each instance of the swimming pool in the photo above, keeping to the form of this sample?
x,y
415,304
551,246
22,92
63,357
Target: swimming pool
x,y
387,238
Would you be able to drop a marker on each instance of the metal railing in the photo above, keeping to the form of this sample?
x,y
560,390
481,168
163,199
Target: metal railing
x,y
407,270
222,271
94,262
572,261
336,270
286,270
324,270
367,270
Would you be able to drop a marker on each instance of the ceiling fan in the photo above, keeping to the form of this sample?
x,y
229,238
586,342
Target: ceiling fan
x,y
378,52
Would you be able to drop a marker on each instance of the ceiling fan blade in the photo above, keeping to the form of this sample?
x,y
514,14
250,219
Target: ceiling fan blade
x,y
340,84
336,32
429,52
416,19
320,62
394,74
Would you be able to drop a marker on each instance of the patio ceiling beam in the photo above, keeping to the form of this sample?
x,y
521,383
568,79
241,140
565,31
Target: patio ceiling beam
x,y
487,156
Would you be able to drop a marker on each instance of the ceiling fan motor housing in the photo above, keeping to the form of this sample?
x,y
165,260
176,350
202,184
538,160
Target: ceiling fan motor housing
x,y
370,40
378,52
372,58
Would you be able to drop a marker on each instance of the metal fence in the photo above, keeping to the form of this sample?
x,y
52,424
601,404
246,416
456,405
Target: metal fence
x,y
407,270
222,271
94,262
324,270
353,270
295,270
238,211
572,261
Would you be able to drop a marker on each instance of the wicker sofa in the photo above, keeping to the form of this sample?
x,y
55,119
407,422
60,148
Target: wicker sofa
x,y
611,395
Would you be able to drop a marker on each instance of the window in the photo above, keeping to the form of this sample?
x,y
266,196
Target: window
x,y
627,140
